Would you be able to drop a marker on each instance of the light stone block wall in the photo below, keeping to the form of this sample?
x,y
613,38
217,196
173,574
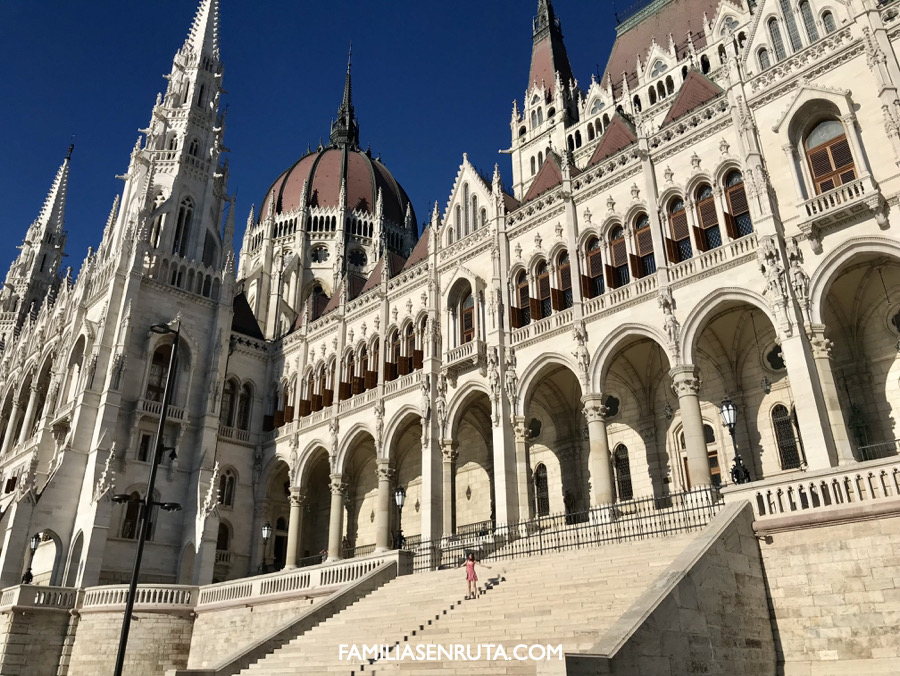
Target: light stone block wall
x,y
31,641
157,642
835,597
243,626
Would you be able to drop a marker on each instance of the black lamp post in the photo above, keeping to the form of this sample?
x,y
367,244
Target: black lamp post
x,y
399,498
266,534
147,503
33,544
739,472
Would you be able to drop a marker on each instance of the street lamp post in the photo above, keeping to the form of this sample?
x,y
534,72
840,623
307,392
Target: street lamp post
x,y
266,534
399,498
147,503
33,544
739,472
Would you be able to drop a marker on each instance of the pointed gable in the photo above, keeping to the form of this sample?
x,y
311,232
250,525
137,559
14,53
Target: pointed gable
x,y
618,136
243,320
335,299
374,277
696,90
420,252
549,176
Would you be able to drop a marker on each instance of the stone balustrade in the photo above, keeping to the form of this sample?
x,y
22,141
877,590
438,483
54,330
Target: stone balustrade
x,y
148,597
38,596
155,408
235,434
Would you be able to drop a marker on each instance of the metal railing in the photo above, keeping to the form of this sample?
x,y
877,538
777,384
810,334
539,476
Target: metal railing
x,y
884,449
619,522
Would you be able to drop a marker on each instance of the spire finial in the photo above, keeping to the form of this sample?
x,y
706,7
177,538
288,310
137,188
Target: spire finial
x,y
203,37
345,130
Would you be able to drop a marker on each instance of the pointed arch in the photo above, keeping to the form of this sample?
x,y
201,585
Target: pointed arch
x,y
606,351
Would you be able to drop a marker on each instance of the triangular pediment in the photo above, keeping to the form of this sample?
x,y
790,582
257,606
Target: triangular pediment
x,y
695,91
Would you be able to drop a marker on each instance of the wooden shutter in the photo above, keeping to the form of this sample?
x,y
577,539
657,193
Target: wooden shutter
x,y
515,318
565,277
701,239
644,239
288,413
418,359
595,264
737,200
706,211
679,224
468,325
535,307
316,403
305,407
840,153
730,227
544,287
278,419
556,301
610,277
371,379
635,264
671,250
586,290
343,391
832,164
268,423
403,363
619,253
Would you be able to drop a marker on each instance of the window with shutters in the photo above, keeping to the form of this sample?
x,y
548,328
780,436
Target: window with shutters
x,y
765,62
623,473
595,284
710,236
359,378
523,300
543,288
345,390
738,215
643,241
372,372
809,21
467,319
409,346
564,273
419,355
618,256
679,246
392,356
828,153
828,23
777,42
788,449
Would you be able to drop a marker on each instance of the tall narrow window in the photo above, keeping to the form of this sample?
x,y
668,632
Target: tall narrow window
x,y
521,315
828,23
467,319
623,473
226,487
809,22
541,491
144,448
459,230
418,356
739,222
678,248
564,277
474,212
643,239
409,346
543,287
132,515
159,369
829,156
791,23
393,356
243,411
777,42
593,284
372,368
226,413
618,256
183,227
466,230
764,61
709,236
788,450
223,539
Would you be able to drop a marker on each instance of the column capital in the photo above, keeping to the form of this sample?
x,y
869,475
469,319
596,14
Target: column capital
x,y
821,346
338,487
298,497
449,451
383,470
593,408
520,429
685,380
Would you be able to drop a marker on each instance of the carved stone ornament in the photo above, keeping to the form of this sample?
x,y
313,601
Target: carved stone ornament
x,y
494,383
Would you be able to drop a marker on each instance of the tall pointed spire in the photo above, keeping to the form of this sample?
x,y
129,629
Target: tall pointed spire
x,y
345,130
53,211
548,53
204,36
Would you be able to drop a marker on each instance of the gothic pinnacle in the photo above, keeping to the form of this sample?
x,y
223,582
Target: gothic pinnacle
x,y
203,38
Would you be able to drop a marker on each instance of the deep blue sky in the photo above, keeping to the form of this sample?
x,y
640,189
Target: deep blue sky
x,y
431,80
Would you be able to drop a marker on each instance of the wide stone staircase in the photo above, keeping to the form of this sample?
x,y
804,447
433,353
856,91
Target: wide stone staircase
x,y
567,599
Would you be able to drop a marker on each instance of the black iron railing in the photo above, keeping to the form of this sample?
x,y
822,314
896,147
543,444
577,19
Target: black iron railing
x,y
620,522
877,451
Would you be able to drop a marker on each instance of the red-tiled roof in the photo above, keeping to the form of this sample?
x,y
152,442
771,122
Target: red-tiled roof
x,y
243,320
548,177
335,299
510,202
420,251
677,17
618,135
695,91
374,277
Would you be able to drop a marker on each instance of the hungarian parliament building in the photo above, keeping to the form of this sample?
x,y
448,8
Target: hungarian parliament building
x,y
706,229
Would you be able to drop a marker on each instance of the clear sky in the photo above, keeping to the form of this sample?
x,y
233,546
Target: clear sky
x,y
431,80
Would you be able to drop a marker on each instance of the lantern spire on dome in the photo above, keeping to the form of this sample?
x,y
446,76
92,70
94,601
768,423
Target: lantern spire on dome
x,y
345,130
548,54
203,38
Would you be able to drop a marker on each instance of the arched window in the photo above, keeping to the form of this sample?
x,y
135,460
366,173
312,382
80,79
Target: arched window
x,y
828,23
723,55
709,236
522,131
541,491
226,487
194,148
372,373
643,239
132,516
521,315
183,227
577,139
593,283
201,96
679,247
605,120
534,122
467,319
571,141
704,64
712,453
466,229
777,42
540,159
474,212
763,57
788,450
660,91
739,221
159,369
243,408
229,396
346,388
618,256
409,346
590,131
533,168
828,153
543,289
793,32
392,358
223,539
637,104
540,116
459,230
564,279
651,95
809,21
483,216
670,85
623,473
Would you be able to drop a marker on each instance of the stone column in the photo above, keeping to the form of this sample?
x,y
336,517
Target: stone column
x,y
298,499
385,476
29,413
336,522
790,153
449,466
10,428
686,383
523,470
602,489
821,350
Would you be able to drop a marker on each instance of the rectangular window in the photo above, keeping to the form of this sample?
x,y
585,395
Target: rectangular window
x,y
144,448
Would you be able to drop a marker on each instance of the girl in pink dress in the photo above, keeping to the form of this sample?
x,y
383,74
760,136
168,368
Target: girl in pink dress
x,y
472,576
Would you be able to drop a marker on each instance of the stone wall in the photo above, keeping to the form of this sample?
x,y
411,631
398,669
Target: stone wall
x,y
31,641
834,591
706,613
157,642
